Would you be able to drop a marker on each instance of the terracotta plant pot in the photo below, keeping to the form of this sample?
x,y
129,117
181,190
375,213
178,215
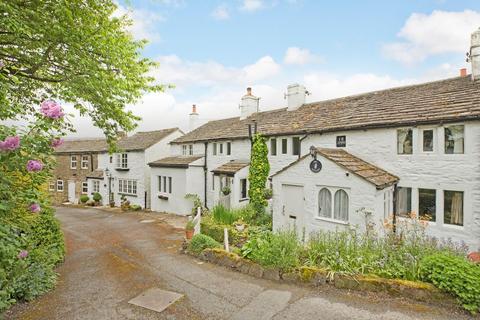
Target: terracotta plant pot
x,y
189,234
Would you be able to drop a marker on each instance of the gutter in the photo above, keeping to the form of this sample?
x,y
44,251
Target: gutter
x,y
394,211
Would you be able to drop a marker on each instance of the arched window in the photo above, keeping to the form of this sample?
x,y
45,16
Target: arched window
x,y
325,203
340,209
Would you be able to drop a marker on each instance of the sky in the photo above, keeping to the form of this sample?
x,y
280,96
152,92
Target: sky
x,y
213,50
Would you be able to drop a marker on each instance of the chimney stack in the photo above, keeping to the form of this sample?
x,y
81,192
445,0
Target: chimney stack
x,y
193,119
296,95
474,55
248,105
463,72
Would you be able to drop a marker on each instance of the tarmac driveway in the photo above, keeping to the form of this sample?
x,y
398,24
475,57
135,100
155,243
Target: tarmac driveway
x,y
114,257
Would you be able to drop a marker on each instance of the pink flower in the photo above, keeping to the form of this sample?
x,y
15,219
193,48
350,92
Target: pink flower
x,y
10,143
51,109
35,208
34,165
22,254
57,142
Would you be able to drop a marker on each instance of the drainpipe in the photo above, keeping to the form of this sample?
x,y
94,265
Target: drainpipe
x,y
205,172
394,219
301,139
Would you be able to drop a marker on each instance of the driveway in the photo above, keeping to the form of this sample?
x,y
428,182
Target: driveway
x,y
112,258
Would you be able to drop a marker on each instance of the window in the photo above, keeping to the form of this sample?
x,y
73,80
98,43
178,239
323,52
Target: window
x,y
169,184
51,186
341,141
427,136
453,207
96,186
122,161
325,203
404,141
159,184
404,201
164,184
60,185
340,206
220,148
229,148
84,162
190,149
214,149
127,186
73,162
84,187
284,146
243,188
184,149
387,204
273,147
111,159
296,146
213,181
454,139
427,199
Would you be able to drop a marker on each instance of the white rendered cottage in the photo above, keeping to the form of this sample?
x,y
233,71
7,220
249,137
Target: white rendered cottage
x,y
426,135
126,173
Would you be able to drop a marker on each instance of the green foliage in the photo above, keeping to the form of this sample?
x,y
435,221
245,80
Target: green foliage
x,y
275,250
197,203
223,215
135,207
213,229
84,198
201,242
97,197
190,225
258,174
64,49
268,194
455,275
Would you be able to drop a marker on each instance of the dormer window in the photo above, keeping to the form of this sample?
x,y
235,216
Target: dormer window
x,y
122,161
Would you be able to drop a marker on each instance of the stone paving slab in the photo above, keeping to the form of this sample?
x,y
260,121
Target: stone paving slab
x,y
156,299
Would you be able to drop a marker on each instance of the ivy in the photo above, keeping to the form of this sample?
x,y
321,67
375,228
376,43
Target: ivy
x,y
259,170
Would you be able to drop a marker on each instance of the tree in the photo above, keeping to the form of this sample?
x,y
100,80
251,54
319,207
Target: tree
x,y
258,174
74,51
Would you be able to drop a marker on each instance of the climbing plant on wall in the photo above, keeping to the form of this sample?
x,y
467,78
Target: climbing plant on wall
x,y
259,170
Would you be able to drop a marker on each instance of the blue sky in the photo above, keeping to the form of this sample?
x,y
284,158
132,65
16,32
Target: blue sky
x,y
213,50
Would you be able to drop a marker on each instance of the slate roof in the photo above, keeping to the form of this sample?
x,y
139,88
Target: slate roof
x,y
143,140
450,100
95,174
94,145
371,173
231,167
175,162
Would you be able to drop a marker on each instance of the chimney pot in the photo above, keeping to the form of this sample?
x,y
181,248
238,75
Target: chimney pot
x,y
194,108
463,72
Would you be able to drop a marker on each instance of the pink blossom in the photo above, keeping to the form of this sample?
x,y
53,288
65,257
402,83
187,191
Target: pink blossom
x,y
57,142
10,143
35,208
22,254
34,165
51,109
2,64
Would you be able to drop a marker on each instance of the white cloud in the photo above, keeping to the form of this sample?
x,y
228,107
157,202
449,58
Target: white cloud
x,y
299,56
426,35
221,13
143,22
252,5
265,67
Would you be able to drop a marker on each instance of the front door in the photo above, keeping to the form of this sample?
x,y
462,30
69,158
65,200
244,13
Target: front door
x,y
293,210
71,191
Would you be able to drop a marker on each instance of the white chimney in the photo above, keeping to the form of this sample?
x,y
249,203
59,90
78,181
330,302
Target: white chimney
x,y
474,56
248,105
193,119
296,94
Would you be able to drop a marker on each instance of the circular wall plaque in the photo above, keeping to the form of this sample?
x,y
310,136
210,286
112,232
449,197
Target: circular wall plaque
x,y
315,166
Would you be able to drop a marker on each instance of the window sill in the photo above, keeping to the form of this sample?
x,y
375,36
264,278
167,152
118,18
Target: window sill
x,y
244,199
162,197
332,220
122,169
127,194
453,226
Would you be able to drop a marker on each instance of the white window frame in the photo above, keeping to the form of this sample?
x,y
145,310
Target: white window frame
x,y
73,162
184,149
84,162
127,187
190,149
403,153
122,161
165,184
84,187
246,189
51,186
434,142
60,186
95,186
443,139
333,191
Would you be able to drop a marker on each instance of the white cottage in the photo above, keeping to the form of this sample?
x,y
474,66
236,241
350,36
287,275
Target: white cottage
x,y
126,173
425,138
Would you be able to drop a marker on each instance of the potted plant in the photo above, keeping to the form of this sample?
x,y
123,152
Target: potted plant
x,y
84,198
226,190
268,194
97,197
189,230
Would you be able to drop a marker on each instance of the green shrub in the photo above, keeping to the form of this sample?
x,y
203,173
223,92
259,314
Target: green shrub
x,y
223,215
84,198
201,242
135,207
275,250
97,197
455,275
211,228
